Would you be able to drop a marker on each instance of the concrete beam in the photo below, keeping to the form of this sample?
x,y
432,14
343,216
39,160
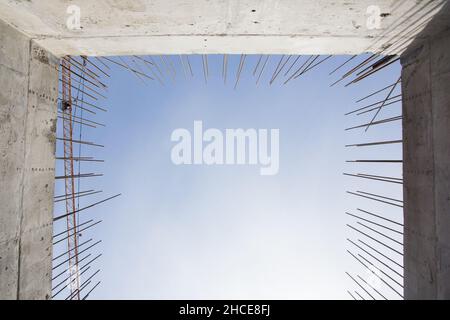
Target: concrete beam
x,y
426,167
28,98
140,27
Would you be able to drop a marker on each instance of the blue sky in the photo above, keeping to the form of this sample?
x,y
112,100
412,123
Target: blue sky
x,y
226,232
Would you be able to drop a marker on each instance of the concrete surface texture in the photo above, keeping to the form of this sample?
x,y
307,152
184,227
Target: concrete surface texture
x,y
125,27
28,93
426,167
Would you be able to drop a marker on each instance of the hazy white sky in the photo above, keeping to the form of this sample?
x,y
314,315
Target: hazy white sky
x,y
226,232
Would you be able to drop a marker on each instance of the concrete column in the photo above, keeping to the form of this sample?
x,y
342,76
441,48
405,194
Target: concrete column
x,y
426,171
28,99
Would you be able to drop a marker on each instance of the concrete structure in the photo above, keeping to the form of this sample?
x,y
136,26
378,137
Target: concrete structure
x,y
32,33
426,169
122,27
28,82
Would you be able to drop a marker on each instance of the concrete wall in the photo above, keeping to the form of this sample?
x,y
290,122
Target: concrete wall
x,y
426,168
29,89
